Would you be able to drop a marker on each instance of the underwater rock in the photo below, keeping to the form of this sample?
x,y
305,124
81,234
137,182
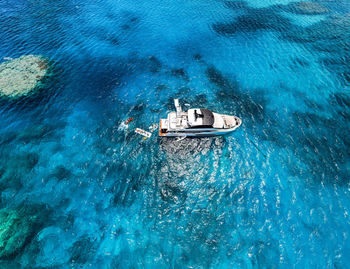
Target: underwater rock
x,y
131,21
180,73
60,172
139,107
23,75
306,8
162,87
154,64
17,226
197,57
14,168
82,250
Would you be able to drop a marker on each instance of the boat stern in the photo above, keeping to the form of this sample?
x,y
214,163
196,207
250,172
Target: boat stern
x,y
163,127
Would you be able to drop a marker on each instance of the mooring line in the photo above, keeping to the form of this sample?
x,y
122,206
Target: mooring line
x,y
256,146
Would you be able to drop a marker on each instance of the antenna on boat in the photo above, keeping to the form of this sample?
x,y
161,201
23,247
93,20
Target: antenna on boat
x,y
178,108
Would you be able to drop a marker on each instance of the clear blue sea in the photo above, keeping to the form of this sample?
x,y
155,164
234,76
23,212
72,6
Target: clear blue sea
x,y
273,194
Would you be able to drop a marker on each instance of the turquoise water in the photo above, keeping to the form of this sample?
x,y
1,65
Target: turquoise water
x,y
274,194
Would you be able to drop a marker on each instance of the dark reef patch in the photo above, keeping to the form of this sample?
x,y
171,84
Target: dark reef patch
x,y
114,40
255,19
217,78
326,150
236,5
15,167
342,100
299,62
18,227
161,87
124,191
36,133
171,192
126,185
305,8
138,107
197,57
332,31
131,21
31,134
323,145
331,37
128,20
60,172
82,250
180,73
102,34
154,64
234,99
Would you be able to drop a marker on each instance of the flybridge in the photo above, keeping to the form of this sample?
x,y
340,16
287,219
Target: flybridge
x,y
200,117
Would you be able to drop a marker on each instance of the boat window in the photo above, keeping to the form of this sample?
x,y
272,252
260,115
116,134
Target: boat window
x,y
201,126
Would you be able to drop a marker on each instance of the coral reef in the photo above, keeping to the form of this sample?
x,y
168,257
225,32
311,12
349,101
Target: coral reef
x,y
17,226
21,76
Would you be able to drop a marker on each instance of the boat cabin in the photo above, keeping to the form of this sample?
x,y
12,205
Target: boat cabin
x,y
200,118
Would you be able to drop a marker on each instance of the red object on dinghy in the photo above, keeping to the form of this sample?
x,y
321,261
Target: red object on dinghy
x,y
128,120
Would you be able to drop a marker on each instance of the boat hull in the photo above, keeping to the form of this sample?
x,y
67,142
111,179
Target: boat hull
x,y
199,133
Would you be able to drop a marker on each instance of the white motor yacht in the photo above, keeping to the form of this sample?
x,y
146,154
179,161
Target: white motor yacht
x,y
197,122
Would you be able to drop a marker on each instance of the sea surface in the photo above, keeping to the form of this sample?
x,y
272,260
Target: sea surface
x,y
273,194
